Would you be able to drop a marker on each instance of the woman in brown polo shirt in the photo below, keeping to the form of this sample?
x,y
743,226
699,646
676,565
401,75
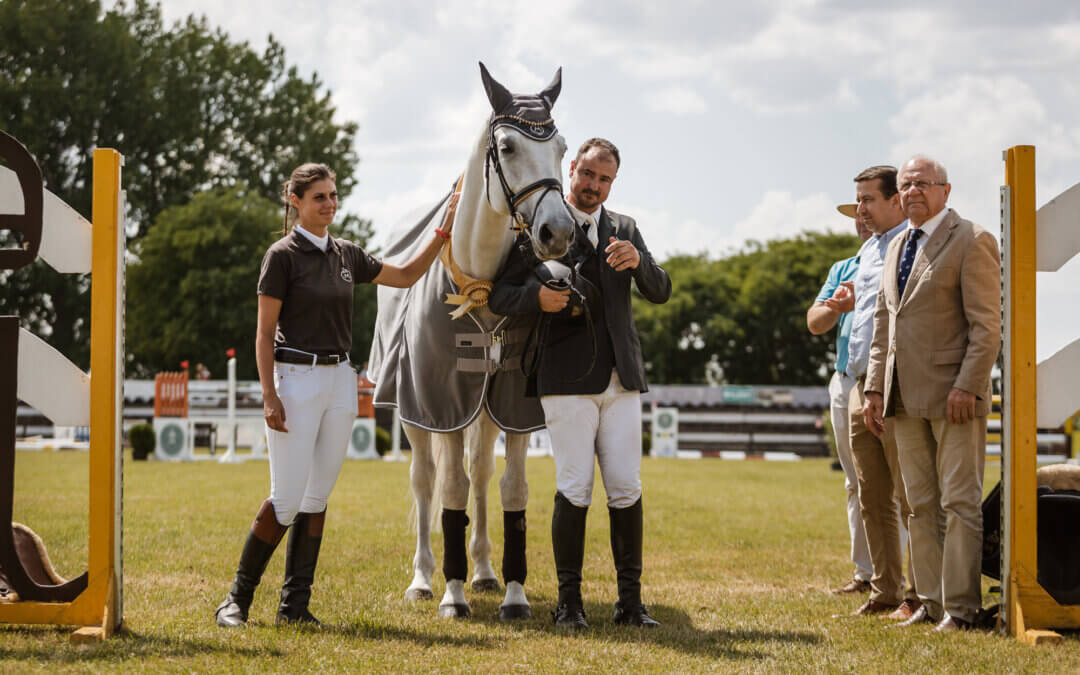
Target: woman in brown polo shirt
x,y
309,388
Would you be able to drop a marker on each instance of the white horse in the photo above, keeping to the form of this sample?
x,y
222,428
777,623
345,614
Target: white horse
x,y
511,182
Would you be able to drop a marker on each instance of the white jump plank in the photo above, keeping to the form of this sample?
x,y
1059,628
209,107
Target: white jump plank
x,y
52,384
1057,230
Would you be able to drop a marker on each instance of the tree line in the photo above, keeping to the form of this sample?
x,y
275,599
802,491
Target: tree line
x,y
210,128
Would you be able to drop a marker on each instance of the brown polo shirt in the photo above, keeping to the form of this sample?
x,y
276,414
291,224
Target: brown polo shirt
x,y
316,290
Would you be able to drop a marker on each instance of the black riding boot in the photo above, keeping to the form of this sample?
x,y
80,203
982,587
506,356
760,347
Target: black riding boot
x,y
568,543
261,542
626,535
301,556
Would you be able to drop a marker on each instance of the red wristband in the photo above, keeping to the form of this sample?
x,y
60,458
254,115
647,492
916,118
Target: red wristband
x,y
439,231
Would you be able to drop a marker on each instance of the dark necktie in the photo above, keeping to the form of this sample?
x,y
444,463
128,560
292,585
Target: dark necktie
x,y
908,260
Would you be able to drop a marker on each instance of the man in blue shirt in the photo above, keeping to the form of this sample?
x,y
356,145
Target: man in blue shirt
x,y
881,488
833,306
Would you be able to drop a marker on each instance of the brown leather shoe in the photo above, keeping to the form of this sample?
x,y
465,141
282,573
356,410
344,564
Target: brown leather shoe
x,y
855,586
873,607
906,609
921,615
951,624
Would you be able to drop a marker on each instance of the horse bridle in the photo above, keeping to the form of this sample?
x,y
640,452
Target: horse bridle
x,y
536,131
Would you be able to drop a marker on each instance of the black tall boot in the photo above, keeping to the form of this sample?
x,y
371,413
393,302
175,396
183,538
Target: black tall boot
x,y
301,556
568,544
626,535
262,540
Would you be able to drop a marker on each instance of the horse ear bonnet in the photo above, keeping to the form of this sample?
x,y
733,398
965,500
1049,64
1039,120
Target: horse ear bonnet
x,y
531,115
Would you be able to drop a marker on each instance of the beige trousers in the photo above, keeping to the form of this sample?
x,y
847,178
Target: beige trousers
x,y
883,504
942,465
839,391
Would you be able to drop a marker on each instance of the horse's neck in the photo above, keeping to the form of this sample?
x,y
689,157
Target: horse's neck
x,y
481,237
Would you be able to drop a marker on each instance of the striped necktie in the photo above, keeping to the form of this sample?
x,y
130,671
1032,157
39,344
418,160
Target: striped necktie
x,y
908,260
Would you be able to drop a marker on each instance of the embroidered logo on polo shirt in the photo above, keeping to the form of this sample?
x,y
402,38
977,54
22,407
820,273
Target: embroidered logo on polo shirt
x,y
346,274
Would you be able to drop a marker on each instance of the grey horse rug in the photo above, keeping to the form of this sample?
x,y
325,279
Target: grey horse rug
x,y
439,372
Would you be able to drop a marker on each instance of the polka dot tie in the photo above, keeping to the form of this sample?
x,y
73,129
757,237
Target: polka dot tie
x,y
908,260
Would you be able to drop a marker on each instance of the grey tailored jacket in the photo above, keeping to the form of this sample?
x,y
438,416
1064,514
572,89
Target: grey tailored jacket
x,y
568,349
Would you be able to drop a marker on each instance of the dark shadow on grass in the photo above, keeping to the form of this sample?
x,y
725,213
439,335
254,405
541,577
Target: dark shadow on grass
x,y
374,630
677,631
124,645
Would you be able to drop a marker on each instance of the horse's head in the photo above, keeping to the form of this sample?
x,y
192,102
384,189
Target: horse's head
x,y
524,161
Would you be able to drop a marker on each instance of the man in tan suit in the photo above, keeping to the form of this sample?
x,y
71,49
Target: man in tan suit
x,y
881,490
937,332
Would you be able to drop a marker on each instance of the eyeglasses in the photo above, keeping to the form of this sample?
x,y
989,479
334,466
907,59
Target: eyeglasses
x,y
919,185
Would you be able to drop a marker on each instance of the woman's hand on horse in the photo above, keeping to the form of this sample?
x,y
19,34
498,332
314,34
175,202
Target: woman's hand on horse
x,y
552,300
622,255
451,209
274,412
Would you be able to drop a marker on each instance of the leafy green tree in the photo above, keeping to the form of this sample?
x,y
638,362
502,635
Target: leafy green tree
x,y
191,293
743,317
189,109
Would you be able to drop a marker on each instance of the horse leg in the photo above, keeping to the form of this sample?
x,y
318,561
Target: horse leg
x,y
455,500
481,440
514,491
422,480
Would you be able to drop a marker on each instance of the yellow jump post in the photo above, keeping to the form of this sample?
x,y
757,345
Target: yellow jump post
x,y
99,609
1032,395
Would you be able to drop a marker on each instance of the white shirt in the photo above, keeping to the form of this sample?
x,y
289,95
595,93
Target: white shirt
x,y
867,281
593,219
928,229
322,242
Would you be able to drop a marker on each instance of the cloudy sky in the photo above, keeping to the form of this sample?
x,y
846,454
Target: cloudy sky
x,y
735,120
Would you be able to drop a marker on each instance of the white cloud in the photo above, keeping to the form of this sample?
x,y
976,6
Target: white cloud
x,y
677,101
779,214
967,122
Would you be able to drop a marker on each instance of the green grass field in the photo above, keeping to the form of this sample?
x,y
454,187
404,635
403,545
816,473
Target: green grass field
x,y
738,560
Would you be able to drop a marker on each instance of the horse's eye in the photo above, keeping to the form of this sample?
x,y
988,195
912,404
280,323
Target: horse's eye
x,y
506,148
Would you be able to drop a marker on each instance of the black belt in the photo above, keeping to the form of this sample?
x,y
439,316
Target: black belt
x,y
290,355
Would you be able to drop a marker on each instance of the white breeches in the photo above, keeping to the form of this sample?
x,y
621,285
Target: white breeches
x,y
606,426
320,406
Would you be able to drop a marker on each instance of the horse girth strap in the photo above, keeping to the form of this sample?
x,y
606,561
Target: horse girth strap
x,y
492,343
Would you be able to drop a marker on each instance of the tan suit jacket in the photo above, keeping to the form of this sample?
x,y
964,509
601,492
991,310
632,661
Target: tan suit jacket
x,y
945,331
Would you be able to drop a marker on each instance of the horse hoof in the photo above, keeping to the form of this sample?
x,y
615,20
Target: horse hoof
x,y
486,585
454,611
418,594
514,612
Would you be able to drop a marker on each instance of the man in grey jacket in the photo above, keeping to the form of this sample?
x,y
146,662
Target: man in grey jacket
x,y
589,376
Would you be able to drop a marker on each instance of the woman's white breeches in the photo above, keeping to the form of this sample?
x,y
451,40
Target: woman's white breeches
x,y
320,407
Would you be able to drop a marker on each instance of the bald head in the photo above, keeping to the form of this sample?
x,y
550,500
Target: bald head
x,y
924,188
